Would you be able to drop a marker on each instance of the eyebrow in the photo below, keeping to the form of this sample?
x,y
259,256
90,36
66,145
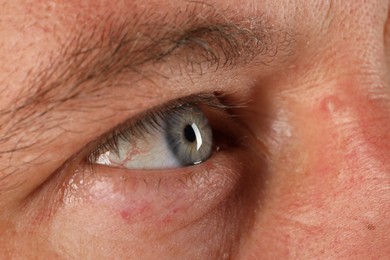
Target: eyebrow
x,y
195,38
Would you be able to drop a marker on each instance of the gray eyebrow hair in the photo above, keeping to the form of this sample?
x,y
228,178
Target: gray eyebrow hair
x,y
200,38
93,57
197,38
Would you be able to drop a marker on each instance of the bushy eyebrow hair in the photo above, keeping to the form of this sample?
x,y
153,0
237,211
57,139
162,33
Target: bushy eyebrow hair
x,y
125,46
90,59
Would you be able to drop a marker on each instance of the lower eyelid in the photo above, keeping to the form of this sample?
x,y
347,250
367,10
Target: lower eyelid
x,y
162,192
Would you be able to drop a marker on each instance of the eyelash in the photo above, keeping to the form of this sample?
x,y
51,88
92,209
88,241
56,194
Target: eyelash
x,y
143,124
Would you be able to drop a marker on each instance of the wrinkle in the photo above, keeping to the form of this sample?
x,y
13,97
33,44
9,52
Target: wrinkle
x,y
90,61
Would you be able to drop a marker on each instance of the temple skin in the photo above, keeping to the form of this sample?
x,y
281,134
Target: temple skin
x,y
312,180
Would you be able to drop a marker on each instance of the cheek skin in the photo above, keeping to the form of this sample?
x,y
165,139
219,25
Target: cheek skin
x,y
165,210
336,203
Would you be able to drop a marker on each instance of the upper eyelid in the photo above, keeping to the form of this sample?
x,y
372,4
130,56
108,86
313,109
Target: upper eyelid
x,y
210,100
64,80
56,86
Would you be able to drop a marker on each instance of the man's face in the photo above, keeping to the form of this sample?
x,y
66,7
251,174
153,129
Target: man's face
x,y
195,129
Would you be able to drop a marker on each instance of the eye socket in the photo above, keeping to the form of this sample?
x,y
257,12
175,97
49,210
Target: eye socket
x,y
176,137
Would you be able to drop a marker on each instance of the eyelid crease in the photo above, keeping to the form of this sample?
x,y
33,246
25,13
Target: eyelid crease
x,y
95,56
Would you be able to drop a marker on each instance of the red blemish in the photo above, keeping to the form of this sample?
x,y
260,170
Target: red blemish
x,y
130,212
125,214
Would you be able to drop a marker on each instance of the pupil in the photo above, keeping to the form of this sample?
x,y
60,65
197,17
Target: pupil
x,y
189,134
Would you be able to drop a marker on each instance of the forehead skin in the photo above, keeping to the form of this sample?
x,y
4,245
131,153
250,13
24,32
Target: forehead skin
x,y
334,96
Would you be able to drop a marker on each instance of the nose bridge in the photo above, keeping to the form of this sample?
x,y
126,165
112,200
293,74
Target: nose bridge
x,y
341,116
342,111
352,61
351,104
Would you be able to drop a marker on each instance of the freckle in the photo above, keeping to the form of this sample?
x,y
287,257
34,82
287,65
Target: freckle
x,y
371,226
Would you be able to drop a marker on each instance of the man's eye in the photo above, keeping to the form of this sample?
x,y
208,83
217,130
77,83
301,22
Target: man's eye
x,y
175,137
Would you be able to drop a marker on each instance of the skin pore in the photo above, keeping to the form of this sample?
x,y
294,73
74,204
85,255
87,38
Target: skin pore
x,y
297,94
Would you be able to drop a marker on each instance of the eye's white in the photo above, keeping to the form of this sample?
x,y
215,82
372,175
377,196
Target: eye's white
x,y
182,137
